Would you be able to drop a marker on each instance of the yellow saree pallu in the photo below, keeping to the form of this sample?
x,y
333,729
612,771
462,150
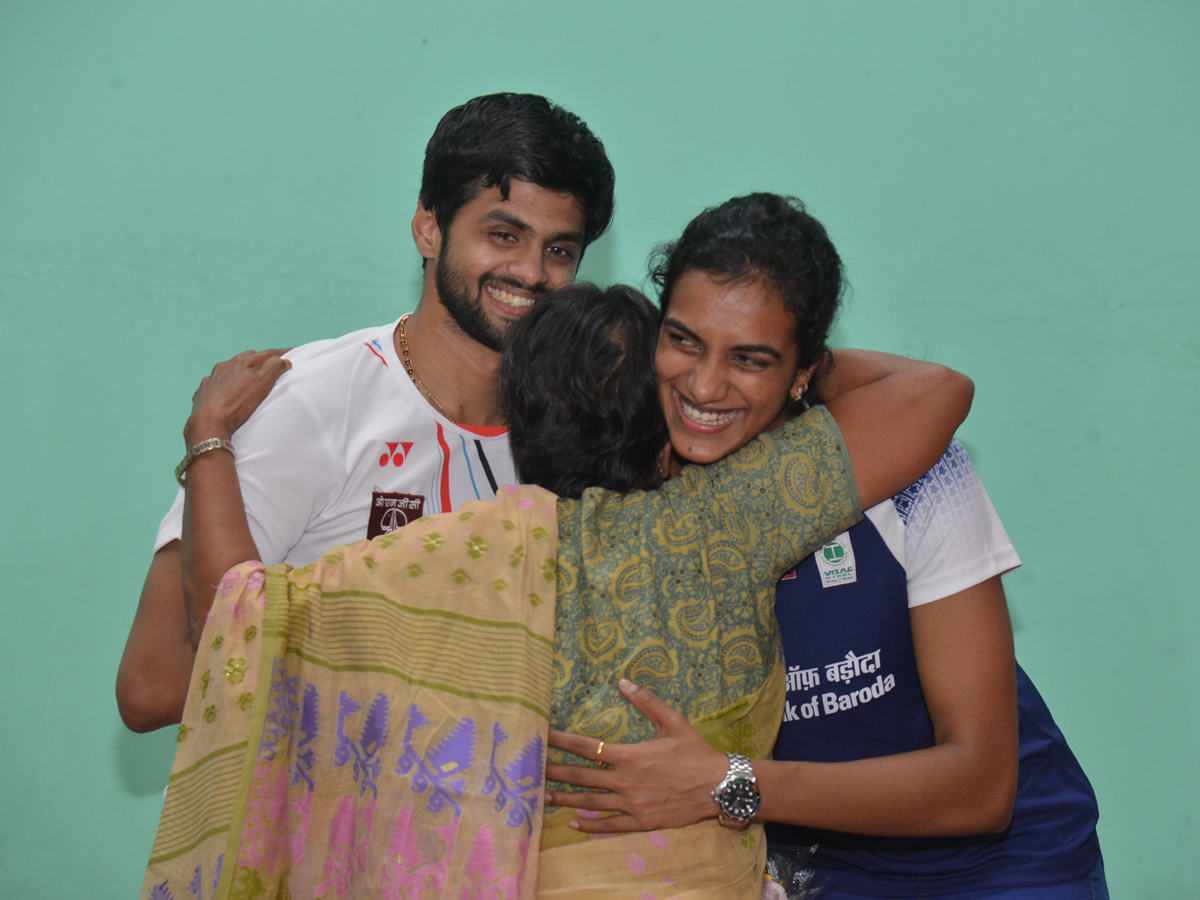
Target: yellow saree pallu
x,y
372,725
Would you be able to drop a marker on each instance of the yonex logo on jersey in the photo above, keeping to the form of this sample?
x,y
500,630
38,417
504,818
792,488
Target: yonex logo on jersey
x,y
835,562
396,453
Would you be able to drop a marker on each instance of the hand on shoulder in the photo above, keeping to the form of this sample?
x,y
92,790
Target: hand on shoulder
x,y
227,397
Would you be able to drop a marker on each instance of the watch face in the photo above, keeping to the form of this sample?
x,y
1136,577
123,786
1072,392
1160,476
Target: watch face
x,y
740,799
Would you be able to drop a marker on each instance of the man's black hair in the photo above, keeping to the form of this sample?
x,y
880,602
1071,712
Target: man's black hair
x,y
491,140
771,240
577,386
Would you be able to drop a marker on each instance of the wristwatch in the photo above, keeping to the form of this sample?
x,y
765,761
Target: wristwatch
x,y
737,795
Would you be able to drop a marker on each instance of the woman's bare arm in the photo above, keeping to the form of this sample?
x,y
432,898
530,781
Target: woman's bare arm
x,y
966,783
896,415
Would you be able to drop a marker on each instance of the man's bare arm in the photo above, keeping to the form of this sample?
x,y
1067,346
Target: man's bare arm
x,y
156,666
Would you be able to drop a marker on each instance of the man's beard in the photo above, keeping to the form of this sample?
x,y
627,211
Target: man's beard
x,y
454,290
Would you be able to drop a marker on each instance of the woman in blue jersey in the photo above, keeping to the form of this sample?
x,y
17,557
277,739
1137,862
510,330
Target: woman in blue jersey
x,y
913,750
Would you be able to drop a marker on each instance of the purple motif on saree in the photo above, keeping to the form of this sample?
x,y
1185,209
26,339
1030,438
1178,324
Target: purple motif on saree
x,y
306,761
441,769
364,751
524,779
283,711
310,725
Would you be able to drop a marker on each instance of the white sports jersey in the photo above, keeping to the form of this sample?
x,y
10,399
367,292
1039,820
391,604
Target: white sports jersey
x,y
345,447
944,530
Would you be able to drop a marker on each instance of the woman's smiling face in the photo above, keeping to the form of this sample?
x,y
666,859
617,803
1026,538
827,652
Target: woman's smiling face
x,y
726,364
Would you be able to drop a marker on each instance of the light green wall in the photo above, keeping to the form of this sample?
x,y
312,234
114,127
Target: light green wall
x,y
1013,186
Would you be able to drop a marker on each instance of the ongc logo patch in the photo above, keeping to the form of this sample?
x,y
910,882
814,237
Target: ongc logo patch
x,y
391,510
396,453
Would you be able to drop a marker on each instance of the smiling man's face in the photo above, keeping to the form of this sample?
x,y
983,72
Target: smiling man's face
x,y
497,257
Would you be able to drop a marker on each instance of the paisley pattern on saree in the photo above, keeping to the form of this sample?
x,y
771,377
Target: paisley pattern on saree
x,y
674,589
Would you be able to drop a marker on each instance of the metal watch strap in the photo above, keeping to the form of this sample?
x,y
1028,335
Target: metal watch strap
x,y
740,767
198,448
737,795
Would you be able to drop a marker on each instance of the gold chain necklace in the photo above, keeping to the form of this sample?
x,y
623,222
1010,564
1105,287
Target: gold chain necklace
x,y
412,373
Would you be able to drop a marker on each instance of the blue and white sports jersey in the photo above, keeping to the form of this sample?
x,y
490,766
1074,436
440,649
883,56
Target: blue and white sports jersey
x,y
854,693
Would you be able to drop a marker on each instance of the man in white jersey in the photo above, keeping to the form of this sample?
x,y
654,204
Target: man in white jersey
x,y
373,429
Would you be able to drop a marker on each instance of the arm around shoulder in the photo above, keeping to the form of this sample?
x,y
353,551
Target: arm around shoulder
x,y
896,415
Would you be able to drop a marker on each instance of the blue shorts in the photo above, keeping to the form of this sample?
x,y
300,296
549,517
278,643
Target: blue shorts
x,y
1090,887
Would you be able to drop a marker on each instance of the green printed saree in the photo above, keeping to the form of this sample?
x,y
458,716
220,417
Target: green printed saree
x,y
675,590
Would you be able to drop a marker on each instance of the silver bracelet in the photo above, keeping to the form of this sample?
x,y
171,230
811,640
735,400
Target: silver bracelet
x,y
198,448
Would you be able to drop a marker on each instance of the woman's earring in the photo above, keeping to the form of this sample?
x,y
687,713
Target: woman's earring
x,y
799,393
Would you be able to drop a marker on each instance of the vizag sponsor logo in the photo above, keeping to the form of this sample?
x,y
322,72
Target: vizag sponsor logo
x,y
833,552
835,562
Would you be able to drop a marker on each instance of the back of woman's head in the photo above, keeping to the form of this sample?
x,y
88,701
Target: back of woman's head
x,y
772,240
577,387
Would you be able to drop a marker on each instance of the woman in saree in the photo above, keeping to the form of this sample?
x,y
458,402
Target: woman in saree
x,y
910,752
372,725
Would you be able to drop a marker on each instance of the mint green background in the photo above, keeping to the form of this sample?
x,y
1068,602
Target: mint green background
x,y
1013,186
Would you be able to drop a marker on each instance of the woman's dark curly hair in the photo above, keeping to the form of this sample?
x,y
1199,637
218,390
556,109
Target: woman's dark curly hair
x,y
577,387
772,240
